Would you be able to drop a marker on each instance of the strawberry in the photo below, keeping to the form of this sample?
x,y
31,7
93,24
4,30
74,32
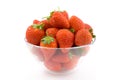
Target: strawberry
x,y
58,20
61,58
87,26
65,38
53,65
52,32
49,43
35,33
76,23
71,64
36,21
83,37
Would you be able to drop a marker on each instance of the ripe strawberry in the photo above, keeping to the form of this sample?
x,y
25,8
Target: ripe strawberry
x,y
49,43
71,64
83,37
61,58
58,20
87,26
53,65
76,23
65,38
34,33
52,32
36,21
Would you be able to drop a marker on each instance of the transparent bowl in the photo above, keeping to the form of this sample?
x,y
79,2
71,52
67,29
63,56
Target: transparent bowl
x,y
59,59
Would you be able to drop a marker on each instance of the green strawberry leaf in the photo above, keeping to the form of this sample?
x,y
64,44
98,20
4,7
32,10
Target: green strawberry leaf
x,y
93,35
47,39
72,30
46,17
91,30
38,26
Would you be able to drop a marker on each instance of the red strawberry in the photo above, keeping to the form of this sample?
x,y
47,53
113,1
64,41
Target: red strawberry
x,y
49,43
34,34
53,65
58,20
65,38
76,23
61,58
52,32
71,64
87,26
83,37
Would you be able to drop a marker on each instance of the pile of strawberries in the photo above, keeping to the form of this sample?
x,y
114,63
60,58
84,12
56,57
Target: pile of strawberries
x,y
56,32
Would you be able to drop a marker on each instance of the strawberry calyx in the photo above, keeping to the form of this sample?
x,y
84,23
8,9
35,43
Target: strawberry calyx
x,y
91,31
72,30
47,39
48,17
38,26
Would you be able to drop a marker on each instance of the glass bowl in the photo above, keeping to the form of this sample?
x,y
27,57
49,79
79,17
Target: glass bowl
x,y
59,59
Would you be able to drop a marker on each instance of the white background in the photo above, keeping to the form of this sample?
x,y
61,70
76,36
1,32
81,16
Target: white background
x,y
103,60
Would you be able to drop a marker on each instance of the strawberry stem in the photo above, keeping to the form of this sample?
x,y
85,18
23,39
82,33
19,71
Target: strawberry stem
x,y
48,17
38,26
91,31
72,30
47,39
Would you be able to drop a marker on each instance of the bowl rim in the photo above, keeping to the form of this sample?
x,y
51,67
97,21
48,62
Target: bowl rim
x,y
32,45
